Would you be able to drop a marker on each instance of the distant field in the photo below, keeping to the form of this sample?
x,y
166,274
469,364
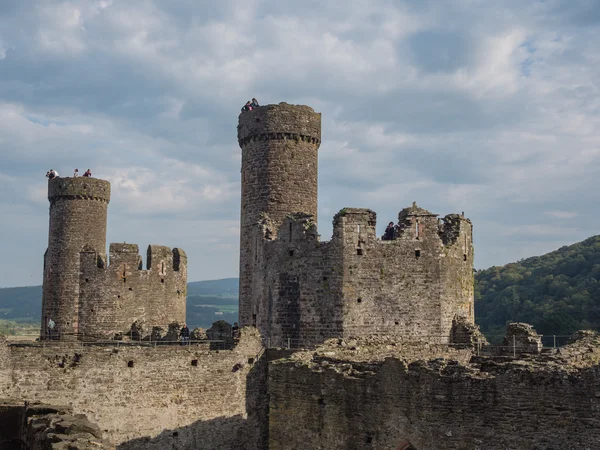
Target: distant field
x,y
13,328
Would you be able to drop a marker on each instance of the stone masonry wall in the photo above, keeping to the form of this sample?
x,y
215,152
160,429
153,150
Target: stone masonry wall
x,y
279,177
146,397
78,212
358,285
542,403
113,297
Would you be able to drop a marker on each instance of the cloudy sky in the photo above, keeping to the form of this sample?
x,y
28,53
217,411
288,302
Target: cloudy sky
x,y
492,108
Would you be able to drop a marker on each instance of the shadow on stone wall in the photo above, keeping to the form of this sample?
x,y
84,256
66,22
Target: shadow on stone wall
x,y
235,432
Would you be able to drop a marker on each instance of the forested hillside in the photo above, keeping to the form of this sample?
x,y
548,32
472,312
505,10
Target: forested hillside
x,y
558,293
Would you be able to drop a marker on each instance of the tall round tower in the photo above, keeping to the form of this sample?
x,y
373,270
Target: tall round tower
x,y
279,177
78,209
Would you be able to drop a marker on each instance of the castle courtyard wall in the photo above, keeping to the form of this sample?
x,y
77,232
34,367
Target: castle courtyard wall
x,y
165,400
438,404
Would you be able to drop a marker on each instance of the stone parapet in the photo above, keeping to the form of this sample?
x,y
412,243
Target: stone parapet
x,y
80,187
282,121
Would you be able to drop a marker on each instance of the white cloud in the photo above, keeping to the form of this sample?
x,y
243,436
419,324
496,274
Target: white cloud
x,y
493,109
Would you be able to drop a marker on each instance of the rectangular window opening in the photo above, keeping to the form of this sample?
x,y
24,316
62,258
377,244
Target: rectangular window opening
x,y
417,253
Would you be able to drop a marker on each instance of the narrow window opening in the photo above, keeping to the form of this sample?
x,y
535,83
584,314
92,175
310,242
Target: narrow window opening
x,y
130,364
118,296
131,289
291,252
250,360
417,229
254,320
195,362
325,278
358,300
417,253
465,257
321,402
124,280
162,280
359,251
396,323
87,280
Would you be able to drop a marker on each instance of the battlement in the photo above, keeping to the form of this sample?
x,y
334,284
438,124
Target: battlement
x,y
414,224
411,284
79,188
280,122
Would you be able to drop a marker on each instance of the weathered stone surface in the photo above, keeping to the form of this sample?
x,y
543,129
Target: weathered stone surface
x,y
146,396
334,402
521,338
46,427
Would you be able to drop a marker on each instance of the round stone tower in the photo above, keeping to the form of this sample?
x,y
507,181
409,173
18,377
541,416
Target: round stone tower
x,y
78,209
279,177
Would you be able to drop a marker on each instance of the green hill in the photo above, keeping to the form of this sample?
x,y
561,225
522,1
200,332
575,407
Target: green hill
x,y
558,293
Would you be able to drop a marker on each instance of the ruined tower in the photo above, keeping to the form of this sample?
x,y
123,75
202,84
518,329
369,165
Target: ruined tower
x,y
78,212
279,177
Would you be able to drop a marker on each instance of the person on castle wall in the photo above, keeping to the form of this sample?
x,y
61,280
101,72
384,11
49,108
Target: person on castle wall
x,y
50,328
52,174
254,103
390,233
88,173
184,334
76,173
235,332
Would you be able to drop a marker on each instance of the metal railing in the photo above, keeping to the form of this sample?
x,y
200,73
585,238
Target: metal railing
x,y
515,345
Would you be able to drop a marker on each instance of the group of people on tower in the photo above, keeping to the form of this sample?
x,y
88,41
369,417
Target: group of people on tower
x,y
88,173
52,174
250,105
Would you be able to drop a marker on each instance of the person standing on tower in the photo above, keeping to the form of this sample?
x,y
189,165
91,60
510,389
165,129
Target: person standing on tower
x,y
76,173
50,328
88,173
254,103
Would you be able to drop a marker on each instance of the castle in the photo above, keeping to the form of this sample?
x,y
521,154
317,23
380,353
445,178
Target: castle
x,y
392,357
300,291
85,294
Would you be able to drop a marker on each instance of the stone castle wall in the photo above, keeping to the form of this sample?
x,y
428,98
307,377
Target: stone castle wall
x,y
334,402
146,397
358,285
115,295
